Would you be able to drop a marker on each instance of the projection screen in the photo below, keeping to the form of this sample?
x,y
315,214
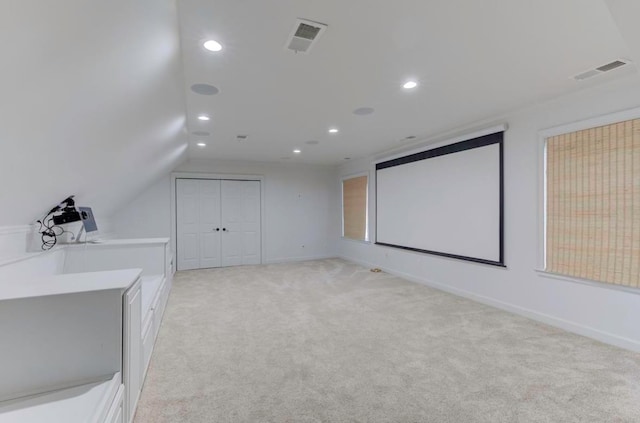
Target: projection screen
x,y
447,201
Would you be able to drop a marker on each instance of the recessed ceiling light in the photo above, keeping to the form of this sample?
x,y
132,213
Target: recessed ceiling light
x,y
363,111
409,85
297,151
212,45
333,130
203,117
201,144
204,89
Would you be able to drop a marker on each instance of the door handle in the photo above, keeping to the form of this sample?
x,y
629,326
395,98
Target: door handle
x,y
224,229
217,229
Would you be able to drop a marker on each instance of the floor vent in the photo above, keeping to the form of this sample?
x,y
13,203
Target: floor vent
x,y
601,69
304,35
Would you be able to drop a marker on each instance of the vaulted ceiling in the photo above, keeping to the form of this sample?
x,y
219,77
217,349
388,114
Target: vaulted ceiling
x,y
472,60
96,99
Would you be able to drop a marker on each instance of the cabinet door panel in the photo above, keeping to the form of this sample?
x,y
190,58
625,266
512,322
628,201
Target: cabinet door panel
x,y
132,368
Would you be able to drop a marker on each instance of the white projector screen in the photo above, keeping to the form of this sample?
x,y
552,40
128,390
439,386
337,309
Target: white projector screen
x,y
447,201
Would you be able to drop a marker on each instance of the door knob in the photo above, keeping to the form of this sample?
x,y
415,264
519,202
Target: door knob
x,y
217,229
224,229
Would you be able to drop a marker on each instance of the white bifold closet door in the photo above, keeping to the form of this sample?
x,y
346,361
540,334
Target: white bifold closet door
x,y
218,223
240,222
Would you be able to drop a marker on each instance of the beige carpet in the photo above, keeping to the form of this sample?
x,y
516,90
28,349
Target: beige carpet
x,y
329,341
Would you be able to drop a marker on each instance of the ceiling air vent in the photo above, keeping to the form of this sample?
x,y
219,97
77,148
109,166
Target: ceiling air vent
x,y
305,33
601,69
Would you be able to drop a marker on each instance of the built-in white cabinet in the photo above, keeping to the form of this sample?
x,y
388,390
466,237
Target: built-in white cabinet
x,y
116,411
96,402
132,368
218,223
77,334
62,354
48,344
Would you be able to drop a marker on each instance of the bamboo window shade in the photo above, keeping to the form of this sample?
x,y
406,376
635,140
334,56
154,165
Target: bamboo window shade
x,y
354,207
593,204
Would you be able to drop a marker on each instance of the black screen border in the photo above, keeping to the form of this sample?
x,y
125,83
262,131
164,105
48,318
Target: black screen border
x,y
483,141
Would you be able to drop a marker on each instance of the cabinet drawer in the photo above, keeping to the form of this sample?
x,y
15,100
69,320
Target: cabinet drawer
x,y
147,345
119,417
159,312
115,414
157,320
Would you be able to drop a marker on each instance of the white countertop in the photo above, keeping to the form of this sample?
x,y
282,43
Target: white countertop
x,y
119,242
5,261
68,284
82,404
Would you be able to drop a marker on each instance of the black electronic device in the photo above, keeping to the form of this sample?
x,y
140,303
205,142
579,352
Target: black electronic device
x,y
50,225
66,217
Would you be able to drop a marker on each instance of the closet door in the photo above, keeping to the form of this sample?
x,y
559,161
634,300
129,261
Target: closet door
x,y
241,223
198,223
210,228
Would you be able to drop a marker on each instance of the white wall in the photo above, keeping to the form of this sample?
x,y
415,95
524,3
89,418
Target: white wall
x,y
148,215
92,103
601,312
15,241
301,208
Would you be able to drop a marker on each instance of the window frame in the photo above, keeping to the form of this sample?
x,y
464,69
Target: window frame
x,y
594,122
343,178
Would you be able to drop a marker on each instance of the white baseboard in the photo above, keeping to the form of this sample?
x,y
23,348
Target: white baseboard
x,y
589,332
297,259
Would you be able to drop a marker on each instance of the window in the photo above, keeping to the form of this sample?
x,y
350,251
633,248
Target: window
x,y
354,208
592,216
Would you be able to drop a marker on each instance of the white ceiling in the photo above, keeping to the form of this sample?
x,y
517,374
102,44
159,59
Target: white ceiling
x,y
93,94
473,59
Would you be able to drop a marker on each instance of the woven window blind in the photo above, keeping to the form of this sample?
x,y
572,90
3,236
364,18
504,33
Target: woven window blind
x,y
593,204
354,208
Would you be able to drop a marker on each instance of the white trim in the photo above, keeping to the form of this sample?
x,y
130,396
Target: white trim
x,y
543,135
593,122
5,261
542,202
221,176
298,259
567,325
355,175
10,230
597,284
359,241
427,146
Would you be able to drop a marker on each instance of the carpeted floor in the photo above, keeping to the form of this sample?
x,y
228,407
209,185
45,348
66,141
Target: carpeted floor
x,y
329,341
